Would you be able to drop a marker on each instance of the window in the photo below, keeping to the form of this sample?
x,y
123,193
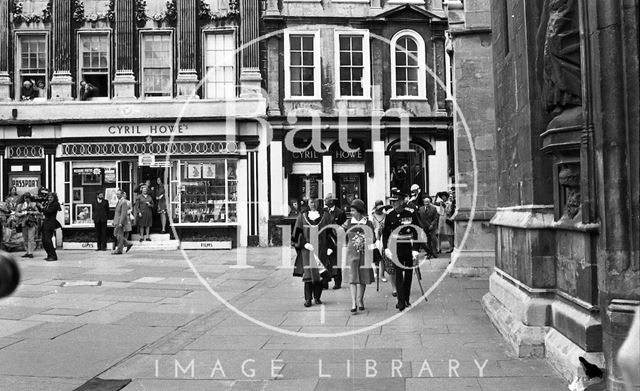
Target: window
x,y
94,64
220,60
204,191
407,59
302,69
157,60
32,65
352,67
87,179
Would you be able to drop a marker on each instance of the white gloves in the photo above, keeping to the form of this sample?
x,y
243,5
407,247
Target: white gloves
x,y
388,253
415,254
329,251
308,246
372,246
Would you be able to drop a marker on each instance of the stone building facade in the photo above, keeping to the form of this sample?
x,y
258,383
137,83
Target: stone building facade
x,y
171,97
566,279
367,70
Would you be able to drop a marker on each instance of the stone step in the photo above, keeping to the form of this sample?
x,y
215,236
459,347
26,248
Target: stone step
x,y
155,245
153,237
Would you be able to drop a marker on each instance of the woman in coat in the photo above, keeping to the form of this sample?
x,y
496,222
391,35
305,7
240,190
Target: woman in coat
x,y
51,223
161,198
360,245
445,232
29,218
308,265
143,209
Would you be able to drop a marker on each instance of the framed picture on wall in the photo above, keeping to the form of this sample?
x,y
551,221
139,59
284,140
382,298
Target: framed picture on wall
x,y
194,171
209,171
111,195
78,194
83,214
93,177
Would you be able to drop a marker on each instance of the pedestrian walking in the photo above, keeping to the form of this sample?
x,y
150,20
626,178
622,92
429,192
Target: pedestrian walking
x,y
49,226
122,223
378,214
360,245
338,217
100,217
143,209
308,265
406,250
29,219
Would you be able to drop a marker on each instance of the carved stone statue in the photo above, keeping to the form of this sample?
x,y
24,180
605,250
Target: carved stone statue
x,y
561,56
569,179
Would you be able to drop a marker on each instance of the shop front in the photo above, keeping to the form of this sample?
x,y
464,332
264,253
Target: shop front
x,y
204,181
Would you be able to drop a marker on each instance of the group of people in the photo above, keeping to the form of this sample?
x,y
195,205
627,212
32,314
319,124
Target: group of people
x,y
33,216
31,90
148,200
387,241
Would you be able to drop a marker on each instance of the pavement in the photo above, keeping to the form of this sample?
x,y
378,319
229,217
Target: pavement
x,y
147,317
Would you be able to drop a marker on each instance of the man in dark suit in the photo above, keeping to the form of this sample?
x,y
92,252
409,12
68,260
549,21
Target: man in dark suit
x,y
428,217
401,234
100,217
338,217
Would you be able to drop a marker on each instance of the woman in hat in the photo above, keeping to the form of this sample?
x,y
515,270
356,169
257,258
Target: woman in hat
x,y
445,231
360,244
308,264
51,223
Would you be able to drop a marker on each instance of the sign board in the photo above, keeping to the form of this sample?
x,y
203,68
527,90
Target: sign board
x,y
146,160
218,245
25,183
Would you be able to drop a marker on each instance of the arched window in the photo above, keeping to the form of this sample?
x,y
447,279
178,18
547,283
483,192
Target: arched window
x,y
408,65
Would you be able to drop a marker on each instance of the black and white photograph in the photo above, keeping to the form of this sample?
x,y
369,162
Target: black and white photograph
x,y
319,195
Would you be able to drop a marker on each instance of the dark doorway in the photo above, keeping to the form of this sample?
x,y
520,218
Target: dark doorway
x,y
348,188
152,174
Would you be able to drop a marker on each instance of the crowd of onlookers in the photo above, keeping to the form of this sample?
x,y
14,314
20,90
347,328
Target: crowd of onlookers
x,y
32,89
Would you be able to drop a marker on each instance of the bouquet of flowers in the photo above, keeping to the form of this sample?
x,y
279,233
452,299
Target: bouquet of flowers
x,y
358,241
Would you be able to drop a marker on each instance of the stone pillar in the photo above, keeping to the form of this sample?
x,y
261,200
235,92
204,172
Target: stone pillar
x,y
473,80
250,79
440,70
124,82
5,80
187,81
62,82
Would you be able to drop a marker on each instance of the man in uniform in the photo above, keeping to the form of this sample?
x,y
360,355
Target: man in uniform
x,y
402,228
338,217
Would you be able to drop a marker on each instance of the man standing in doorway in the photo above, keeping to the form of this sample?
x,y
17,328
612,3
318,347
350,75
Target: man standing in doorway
x,y
100,216
122,223
338,217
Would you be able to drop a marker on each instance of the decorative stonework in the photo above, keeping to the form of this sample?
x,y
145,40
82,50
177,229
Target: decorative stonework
x,y
18,15
569,180
196,148
206,14
24,152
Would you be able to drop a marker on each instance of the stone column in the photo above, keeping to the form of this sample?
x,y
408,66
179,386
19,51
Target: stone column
x,y
62,82
187,81
5,80
250,79
440,70
474,237
124,83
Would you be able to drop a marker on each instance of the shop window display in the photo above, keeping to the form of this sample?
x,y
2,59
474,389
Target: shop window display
x,y
87,180
207,192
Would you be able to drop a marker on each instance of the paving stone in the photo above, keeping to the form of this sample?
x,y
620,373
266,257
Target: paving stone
x,y
10,327
444,384
178,385
18,313
65,311
360,384
16,383
47,330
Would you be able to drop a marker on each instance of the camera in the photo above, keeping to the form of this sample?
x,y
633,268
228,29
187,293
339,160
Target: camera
x,y
9,274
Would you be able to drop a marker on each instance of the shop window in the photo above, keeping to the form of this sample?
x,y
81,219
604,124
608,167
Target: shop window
x,y
220,60
87,180
205,192
302,69
352,56
408,75
303,188
94,66
157,64
32,67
